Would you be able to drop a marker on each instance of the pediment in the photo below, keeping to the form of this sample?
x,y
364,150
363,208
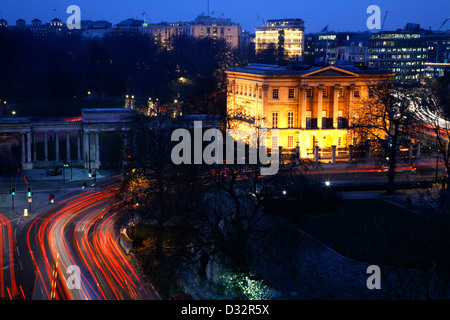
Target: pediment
x,y
330,72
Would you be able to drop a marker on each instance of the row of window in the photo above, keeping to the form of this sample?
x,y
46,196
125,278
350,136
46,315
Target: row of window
x,y
248,90
309,93
308,119
290,141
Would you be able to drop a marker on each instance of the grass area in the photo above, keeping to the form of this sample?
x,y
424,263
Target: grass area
x,y
377,232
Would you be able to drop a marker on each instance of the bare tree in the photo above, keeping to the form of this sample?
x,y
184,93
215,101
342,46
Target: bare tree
x,y
435,111
386,121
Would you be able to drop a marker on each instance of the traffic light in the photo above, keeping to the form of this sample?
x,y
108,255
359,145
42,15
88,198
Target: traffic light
x,y
13,191
90,173
29,193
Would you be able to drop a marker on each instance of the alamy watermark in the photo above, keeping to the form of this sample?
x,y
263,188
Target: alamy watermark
x,y
74,279
374,281
74,21
374,21
214,152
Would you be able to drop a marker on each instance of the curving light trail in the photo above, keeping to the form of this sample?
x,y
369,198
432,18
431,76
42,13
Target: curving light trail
x,y
80,232
8,285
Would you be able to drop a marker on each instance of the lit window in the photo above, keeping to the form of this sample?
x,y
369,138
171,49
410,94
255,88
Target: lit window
x,y
341,92
290,141
274,142
274,119
340,119
291,93
275,94
324,119
308,119
290,119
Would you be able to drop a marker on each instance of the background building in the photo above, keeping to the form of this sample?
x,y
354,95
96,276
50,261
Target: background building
x,y
403,52
95,29
130,27
201,27
287,35
217,28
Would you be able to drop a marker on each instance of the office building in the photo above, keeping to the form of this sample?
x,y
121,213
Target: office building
x,y
285,35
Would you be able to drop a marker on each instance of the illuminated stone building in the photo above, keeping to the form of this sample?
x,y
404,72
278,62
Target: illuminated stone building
x,y
285,34
201,27
309,105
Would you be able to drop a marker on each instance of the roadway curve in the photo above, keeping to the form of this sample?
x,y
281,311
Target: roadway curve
x,y
79,231
8,285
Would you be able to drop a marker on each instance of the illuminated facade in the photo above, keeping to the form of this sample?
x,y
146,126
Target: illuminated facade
x,y
310,106
402,52
285,34
201,27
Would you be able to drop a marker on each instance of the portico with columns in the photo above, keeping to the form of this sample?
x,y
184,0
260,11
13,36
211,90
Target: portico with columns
x,y
310,106
77,142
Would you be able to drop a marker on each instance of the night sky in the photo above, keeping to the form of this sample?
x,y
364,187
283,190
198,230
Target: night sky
x,y
343,15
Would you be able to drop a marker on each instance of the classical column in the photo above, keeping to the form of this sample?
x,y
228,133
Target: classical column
x,y
46,145
78,145
23,148
34,147
68,146
256,96
319,107
351,115
265,90
56,145
350,103
97,149
303,107
335,107
233,86
29,148
86,148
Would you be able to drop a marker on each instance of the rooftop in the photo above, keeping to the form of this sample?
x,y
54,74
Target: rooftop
x,y
298,69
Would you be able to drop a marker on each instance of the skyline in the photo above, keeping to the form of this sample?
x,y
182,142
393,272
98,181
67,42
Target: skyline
x,y
317,15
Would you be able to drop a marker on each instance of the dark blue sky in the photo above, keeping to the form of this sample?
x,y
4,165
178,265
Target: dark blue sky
x,y
341,15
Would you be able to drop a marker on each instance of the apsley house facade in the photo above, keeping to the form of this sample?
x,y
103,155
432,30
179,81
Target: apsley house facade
x,y
311,106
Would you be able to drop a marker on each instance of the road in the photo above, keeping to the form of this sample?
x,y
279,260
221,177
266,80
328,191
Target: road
x,y
8,284
76,234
